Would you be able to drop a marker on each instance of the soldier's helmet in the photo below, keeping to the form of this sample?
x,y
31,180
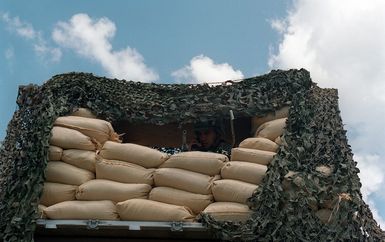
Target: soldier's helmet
x,y
215,124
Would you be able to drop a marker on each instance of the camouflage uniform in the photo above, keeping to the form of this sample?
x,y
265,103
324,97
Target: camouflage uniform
x,y
221,147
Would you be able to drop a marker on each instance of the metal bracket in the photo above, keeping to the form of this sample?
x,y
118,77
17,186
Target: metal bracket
x,y
50,226
93,224
176,226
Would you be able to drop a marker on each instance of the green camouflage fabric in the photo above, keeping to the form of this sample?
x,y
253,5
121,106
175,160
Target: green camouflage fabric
x,y
314,136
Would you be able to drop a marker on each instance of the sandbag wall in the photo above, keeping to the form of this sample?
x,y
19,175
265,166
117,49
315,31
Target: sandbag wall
x,y
134,164
91,175
72,158
242,175
187,178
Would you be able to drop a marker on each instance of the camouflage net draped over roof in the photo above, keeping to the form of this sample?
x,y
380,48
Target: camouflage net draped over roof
x,y
314,136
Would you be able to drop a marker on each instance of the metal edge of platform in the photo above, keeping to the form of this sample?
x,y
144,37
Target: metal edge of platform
x,y
128,225
111,230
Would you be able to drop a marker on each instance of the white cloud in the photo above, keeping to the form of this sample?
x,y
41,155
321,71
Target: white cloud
x,y
372,175
91,39
342,44
278,25
370,166
203,69
23,29
376,214
26,30
42,49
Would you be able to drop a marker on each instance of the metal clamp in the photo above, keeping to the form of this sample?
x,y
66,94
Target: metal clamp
x,y
93,224
176,226
50,226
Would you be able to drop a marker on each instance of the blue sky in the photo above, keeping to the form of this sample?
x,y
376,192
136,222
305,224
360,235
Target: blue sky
x,y
168,34
195,41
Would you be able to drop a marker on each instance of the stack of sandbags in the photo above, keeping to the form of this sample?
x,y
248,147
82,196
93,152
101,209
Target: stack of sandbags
x,y
271,130
270,126
231,193
123,172
62,179
97,129
116,181
256,122
186,178
134,166
247,168
242,175
72,158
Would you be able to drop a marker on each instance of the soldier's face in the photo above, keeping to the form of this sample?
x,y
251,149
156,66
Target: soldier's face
x,y
207,137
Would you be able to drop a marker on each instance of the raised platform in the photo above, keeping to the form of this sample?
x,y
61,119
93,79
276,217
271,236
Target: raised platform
x,y
107,230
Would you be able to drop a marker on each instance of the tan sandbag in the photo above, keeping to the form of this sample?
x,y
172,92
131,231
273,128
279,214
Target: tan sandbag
x,y
207,163
184,180
124,172
272,129
133,153
40,210
147,210
250,155
280,113
227,190
325,215
102,210
54,153
84,159
83,112
229,211
98,129
196,202
55,193
244,171
100,189
64,173
324,170
278,140
70,139
259,144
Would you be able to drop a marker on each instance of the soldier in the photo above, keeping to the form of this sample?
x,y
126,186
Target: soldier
x,y
209,137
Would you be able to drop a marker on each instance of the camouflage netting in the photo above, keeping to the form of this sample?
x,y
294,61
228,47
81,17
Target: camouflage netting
x,y
314,136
